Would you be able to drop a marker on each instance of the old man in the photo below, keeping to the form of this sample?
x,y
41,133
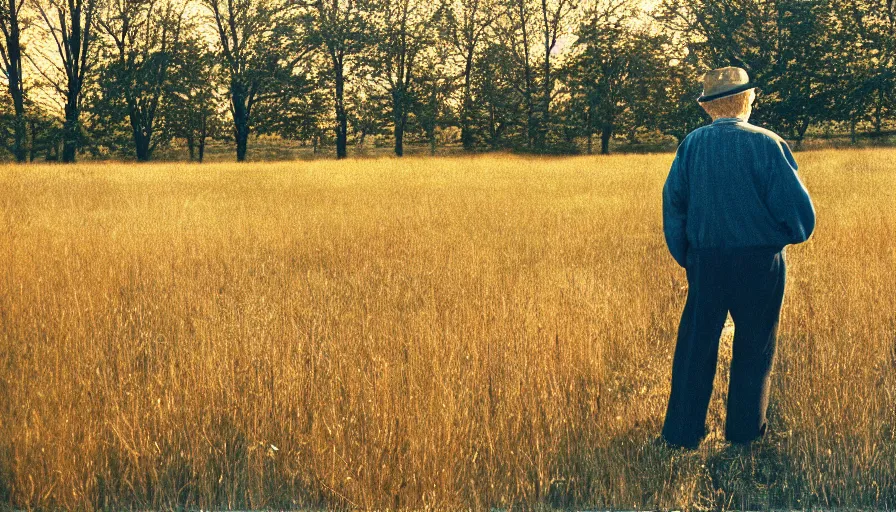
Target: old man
x,y
731,203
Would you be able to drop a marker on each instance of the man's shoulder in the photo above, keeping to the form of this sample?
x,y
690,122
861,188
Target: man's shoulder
x,y
760,131
694,135
717,130
696,132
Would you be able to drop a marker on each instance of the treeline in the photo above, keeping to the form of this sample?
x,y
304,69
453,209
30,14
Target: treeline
x,y
122,78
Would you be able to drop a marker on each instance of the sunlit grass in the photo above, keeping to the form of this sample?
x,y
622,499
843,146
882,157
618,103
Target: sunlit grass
x,y
445,333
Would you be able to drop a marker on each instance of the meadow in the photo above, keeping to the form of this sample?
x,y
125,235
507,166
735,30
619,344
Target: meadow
x,y
447,333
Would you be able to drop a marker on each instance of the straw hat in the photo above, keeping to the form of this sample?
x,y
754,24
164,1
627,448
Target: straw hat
x,y
722,82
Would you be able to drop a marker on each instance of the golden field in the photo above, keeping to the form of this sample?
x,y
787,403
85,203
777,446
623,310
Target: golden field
x,y
453,333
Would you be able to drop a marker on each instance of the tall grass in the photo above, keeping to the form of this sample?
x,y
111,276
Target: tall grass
x,y
418,333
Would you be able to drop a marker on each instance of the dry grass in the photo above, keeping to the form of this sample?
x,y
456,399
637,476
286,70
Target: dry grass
x,y
447,333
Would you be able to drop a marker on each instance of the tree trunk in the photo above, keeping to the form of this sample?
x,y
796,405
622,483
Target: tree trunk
x,y
801,133
531,121
605,134
852,131
399,118
589,128
70,129
492,127
341,118
141,129
142,136
19,148
73,51
466,131
191,146
141,144
433,123
202,135
546,86
15,82
240,120
399,139
32,148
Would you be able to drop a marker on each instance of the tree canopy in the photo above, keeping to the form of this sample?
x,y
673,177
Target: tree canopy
x,y
121,78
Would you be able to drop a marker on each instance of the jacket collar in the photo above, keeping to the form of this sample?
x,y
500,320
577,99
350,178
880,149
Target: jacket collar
x,y
722,120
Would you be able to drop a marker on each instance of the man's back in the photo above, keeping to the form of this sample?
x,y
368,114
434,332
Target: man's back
x,y
734,184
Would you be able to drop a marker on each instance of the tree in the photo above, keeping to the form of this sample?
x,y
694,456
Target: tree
x,y
369,111
552,16
43,134
70,25
864,46
259,47
533,75
105,127
400,31
337,28
299,107
435,85
610,68
649,74
466,25
515,34
500,112
677,112
528,23
145,35
797,88
11,70
41,130
193,106
739,33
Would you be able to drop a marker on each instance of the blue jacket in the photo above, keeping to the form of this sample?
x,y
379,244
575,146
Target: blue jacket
x,y
733,184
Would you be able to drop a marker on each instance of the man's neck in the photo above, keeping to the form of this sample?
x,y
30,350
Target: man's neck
x,y
730,119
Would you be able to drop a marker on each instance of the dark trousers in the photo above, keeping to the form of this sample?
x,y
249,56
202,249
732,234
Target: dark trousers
x,y
750,284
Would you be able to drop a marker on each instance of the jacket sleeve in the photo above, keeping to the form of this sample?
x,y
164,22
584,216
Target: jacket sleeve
x,y
675,209
787,198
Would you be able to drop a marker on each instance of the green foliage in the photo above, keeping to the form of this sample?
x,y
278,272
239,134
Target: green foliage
x,y
368,112
195,109
499,108
618,76
298,108
816,61
526,75
261,46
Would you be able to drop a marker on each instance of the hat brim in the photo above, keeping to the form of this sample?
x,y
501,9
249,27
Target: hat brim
x,y
737,90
